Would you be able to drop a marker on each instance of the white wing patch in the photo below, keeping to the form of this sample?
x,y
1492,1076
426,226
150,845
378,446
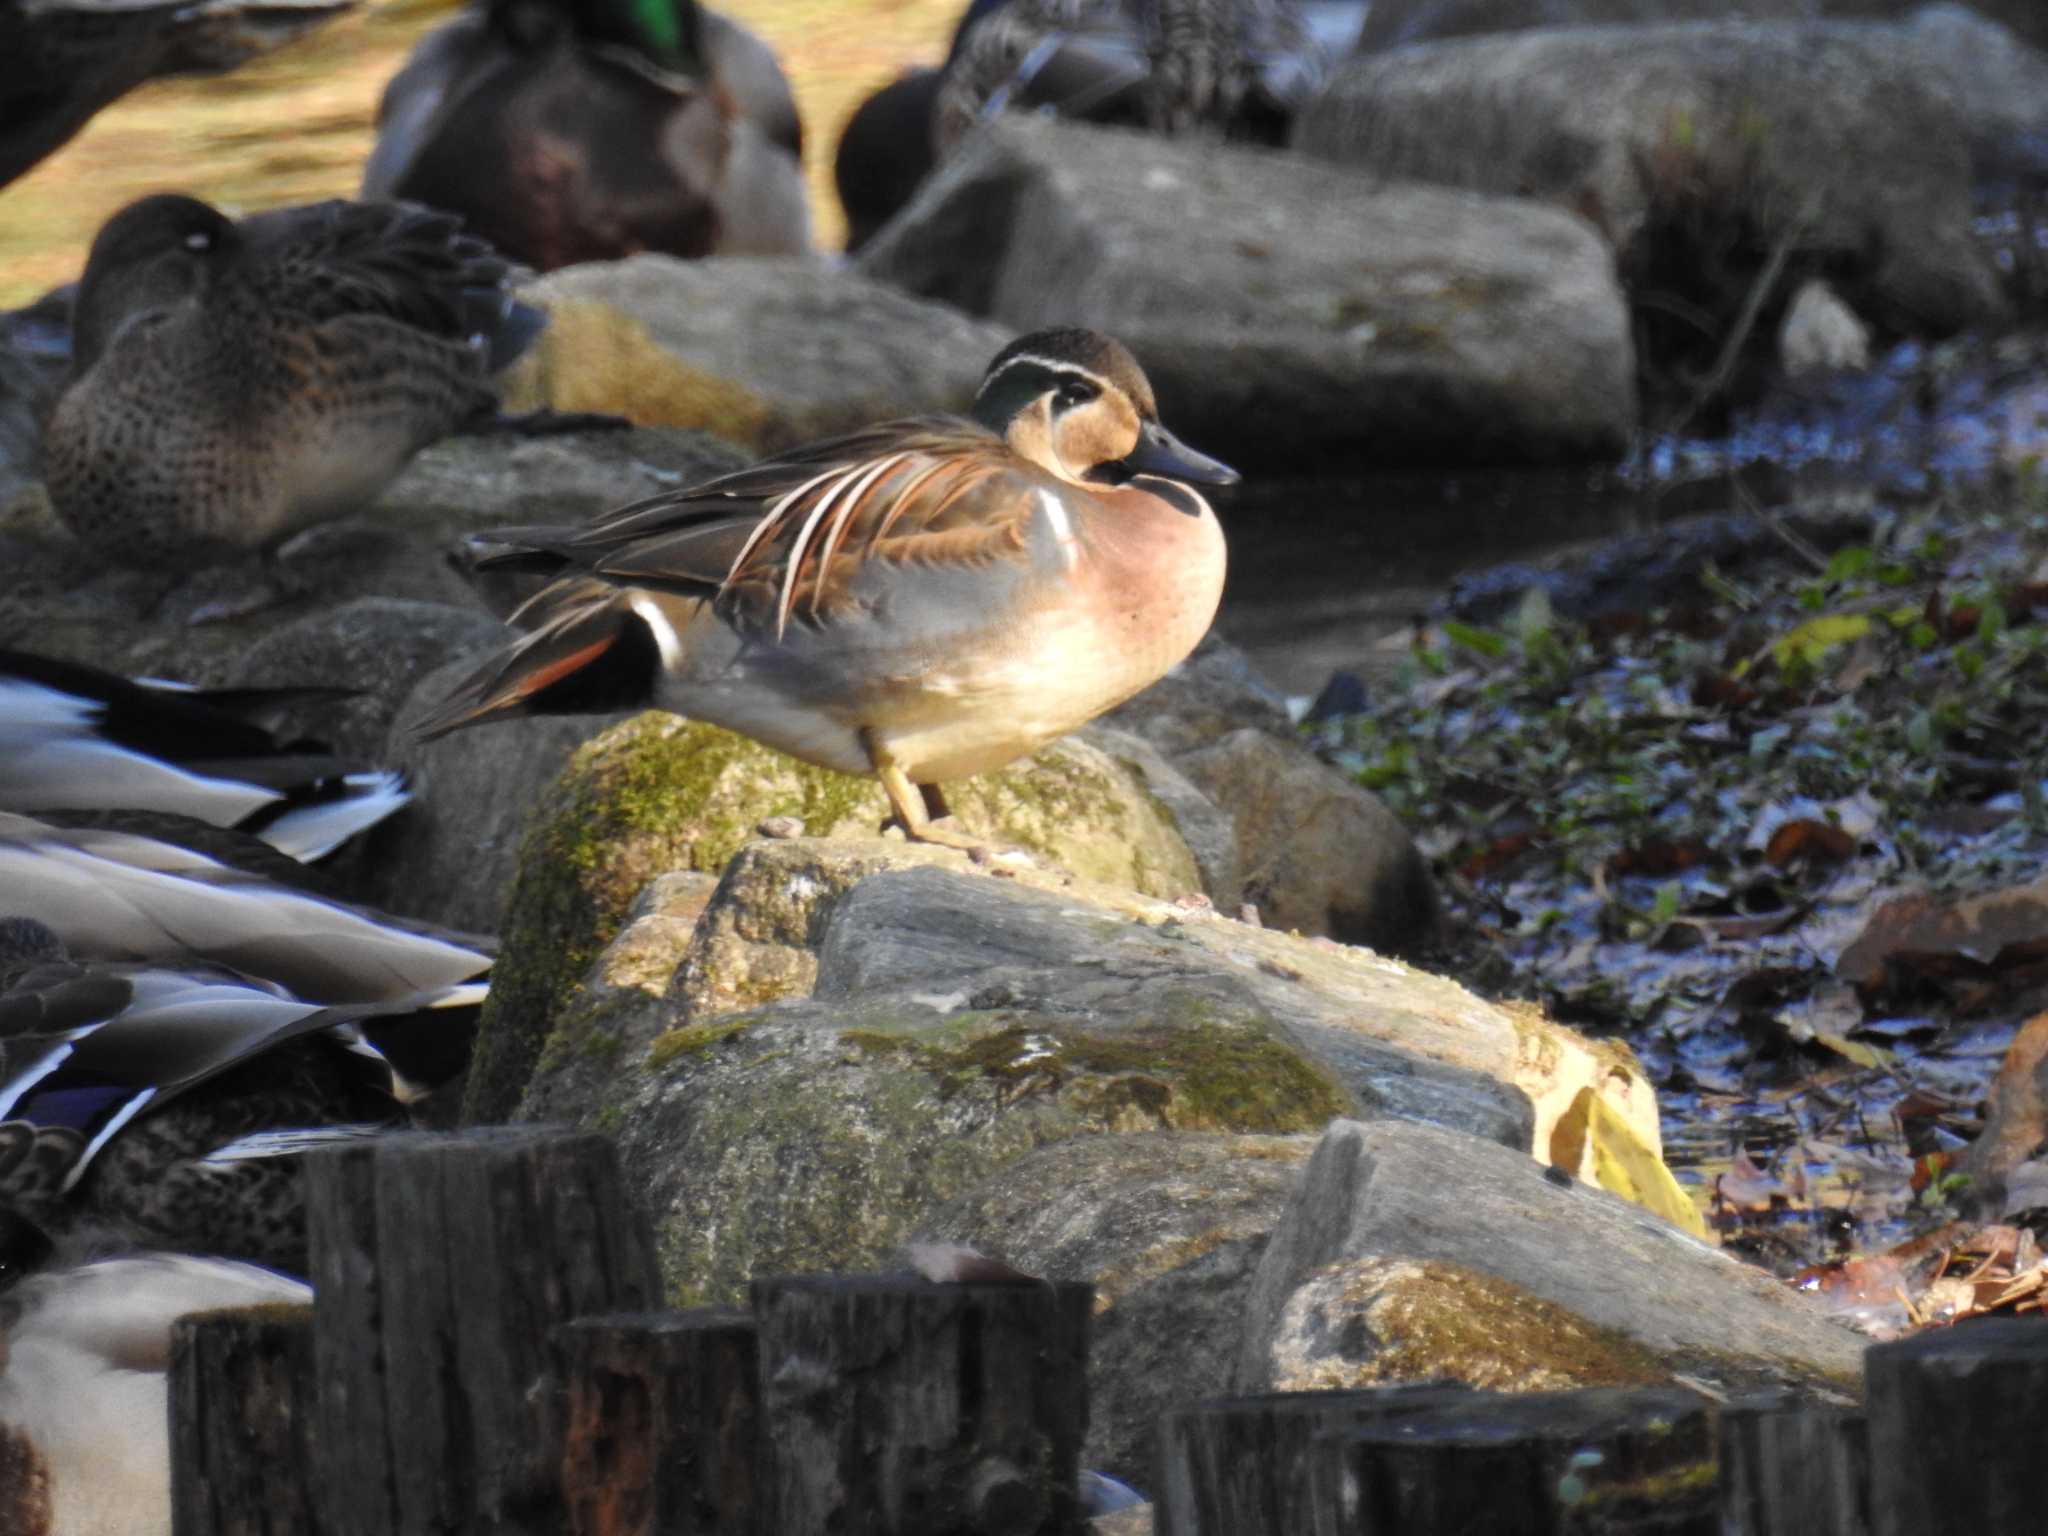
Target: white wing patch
x,y
1062,529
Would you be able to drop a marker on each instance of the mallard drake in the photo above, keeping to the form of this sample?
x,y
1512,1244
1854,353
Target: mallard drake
x,y
66,59
1238,67
569,132
920,601
117,897
73,737
235,383
163,1102
84,1400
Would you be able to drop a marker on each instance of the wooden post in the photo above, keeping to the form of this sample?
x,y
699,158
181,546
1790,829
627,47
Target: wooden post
x,y
1955,1429
241,1405
441,1267
1606,1460
1239,1466
663,1415
893,1406
1793,1466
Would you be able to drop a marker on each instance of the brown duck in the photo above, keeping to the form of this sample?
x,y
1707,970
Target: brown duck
x,y
235,383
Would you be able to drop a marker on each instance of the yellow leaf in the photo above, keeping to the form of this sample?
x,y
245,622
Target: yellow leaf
x,y
1816,637
1855,1050
1620,1162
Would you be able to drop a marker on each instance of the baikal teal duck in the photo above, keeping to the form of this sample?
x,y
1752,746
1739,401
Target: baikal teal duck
x,y
920,601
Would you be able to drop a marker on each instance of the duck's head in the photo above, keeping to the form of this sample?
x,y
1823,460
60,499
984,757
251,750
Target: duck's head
x,y
664,33
1076,403
149,255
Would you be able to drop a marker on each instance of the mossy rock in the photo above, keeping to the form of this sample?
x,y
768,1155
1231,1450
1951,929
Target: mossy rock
x,y
660,793
814,1136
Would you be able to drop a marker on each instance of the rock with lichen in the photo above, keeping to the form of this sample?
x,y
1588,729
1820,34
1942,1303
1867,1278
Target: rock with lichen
x,y
659,793
853,1033
1407,1252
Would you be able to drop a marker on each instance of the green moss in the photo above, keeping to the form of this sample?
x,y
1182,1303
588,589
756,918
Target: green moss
x,y
1184,1067
672,1043
653,794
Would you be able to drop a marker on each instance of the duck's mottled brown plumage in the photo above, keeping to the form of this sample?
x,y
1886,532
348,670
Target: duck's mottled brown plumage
x,y
1236,67
235,383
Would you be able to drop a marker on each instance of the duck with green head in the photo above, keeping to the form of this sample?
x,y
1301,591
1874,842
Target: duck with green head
x,y
567,132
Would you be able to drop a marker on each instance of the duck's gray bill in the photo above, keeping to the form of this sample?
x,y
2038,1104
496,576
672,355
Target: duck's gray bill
x,y
1159,452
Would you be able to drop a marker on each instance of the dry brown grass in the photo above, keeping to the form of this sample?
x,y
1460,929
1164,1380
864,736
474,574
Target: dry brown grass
x,y
297,126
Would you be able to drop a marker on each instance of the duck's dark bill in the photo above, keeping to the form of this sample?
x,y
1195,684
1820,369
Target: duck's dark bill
x,y
1159,452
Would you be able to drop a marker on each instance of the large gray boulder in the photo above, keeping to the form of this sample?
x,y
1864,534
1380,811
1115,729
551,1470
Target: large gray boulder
x,y
1289,315
1687,140
766,353
1400,1234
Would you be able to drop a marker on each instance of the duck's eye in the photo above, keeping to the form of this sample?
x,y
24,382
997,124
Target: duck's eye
x,y
1074,392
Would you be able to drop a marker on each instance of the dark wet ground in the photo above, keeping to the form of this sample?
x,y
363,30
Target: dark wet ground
x,y
1338,576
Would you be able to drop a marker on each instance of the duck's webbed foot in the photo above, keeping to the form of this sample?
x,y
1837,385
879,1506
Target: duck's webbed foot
x,y
922,815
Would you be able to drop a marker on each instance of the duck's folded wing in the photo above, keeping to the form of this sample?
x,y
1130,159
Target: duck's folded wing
x,y
400,260
810,528
75,738
116,896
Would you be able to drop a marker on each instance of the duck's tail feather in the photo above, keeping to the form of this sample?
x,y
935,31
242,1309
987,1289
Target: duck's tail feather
x,y
341,808
591,650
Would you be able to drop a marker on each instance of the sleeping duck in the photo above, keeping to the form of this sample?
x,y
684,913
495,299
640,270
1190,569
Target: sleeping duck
x,y
173,1030
1235,68
165,1102
567,132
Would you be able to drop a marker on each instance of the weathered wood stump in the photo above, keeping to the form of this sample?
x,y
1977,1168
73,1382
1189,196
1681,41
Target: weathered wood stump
x,y
1603,1460
242,1403
893,1406
1955,1429
663,1418
1793,1466
441,1267
1239,1466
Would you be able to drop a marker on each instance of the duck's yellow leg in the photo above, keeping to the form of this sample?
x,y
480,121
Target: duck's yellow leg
x,y
908,802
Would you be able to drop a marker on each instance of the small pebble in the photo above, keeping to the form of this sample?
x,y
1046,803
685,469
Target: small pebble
x,y
781,826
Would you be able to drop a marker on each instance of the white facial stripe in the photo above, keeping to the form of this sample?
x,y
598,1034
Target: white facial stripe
x,y
1051,365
